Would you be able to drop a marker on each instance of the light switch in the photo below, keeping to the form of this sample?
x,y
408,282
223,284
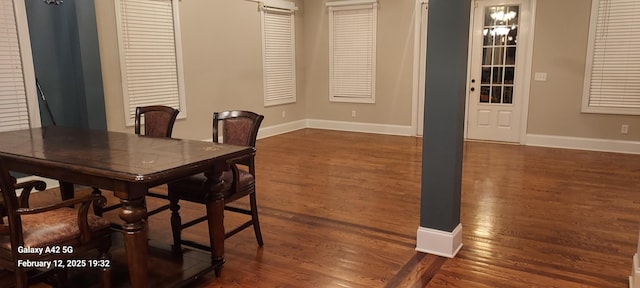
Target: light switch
x,y
540,76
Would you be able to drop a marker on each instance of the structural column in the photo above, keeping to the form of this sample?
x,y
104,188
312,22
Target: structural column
x,y
440,231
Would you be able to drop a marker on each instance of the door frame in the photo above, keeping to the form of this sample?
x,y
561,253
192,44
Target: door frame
x,y
526,83
419,67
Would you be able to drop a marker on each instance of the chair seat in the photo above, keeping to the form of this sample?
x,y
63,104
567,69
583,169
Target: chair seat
x,y
190,188
54,227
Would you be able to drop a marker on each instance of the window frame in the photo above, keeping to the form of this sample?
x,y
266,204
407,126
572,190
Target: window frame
x,y
274,81
28,77
129,107
338,6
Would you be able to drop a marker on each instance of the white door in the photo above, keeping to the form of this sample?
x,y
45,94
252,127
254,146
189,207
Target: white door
x,y
422,64
497,71
419,64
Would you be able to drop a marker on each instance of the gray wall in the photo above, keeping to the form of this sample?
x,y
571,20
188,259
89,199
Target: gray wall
x,y
67,64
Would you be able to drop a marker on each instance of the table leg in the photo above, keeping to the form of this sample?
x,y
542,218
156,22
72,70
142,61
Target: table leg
x,y
66,190
133,213
215,216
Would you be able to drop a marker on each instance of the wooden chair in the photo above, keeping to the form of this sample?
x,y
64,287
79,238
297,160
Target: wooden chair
x,y
75,232
238,128
26,187
151,121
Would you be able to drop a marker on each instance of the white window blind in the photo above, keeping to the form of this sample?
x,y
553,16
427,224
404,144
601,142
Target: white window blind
x,y
150,55
352,49
14,114
612,74
279,52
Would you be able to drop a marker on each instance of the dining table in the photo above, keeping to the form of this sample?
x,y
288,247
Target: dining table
x,y
129,165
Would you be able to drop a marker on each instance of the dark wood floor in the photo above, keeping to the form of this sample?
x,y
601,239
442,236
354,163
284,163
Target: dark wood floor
x,y
341,209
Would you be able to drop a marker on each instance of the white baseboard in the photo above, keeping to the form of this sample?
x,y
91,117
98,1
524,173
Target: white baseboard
x,y
441,243
281,128
361,127
593,144
335,125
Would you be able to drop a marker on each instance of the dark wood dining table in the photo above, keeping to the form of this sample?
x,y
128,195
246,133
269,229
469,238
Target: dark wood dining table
x,y
129,165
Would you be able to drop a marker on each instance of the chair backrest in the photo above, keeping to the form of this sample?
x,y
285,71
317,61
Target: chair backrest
x,y
238,128
158,120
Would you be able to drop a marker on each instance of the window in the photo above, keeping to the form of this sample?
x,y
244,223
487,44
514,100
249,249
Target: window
x,y
612,71
17,80
352,51
150,55
278,52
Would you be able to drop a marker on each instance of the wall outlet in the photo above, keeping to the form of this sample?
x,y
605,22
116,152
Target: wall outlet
x,y
353,113
624,129
284,114
540,76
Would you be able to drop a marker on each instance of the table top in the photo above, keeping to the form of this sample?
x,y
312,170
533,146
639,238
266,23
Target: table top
x,y
115,155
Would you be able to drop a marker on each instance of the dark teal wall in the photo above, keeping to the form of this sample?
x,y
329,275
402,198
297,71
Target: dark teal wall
x,y
64,43
443,137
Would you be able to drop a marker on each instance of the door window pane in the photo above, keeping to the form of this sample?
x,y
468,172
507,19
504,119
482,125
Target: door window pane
x,y
486,56
513,12
511,56
497,75
486,75
512,37
508,95
488,38
484,94
498,56
496,93
509,75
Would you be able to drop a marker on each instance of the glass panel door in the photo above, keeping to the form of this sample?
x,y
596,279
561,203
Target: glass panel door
x,y
500,38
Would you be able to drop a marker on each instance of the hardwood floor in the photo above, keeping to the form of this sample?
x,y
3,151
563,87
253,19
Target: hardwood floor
x,y
341,209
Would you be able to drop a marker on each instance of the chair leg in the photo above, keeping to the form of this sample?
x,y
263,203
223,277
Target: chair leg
x,y
176,222
97,209
21,278
106,277
106,271
61,277
254,218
